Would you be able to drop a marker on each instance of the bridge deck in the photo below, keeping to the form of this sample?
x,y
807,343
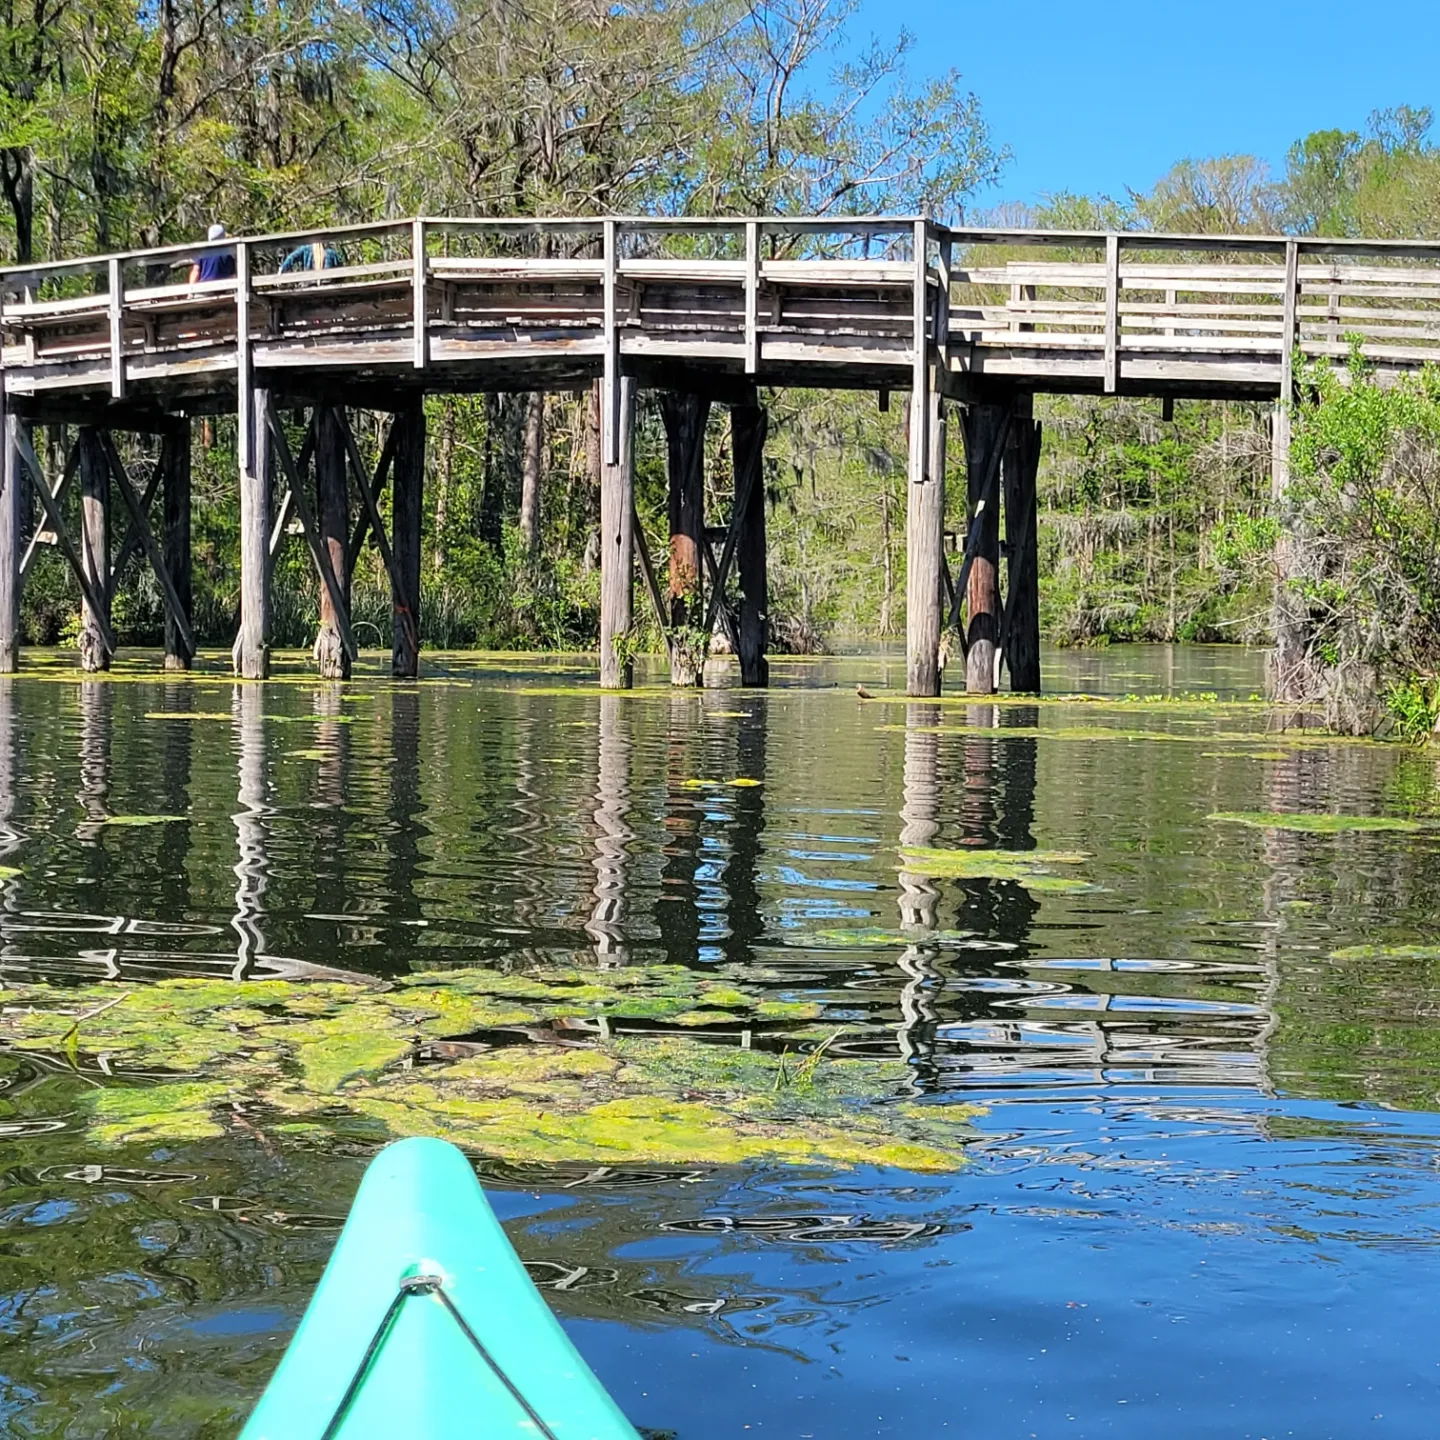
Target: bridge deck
x,y
484,305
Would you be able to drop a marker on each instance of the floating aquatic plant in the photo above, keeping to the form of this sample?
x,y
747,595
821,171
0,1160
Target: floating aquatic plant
x,y
1314,824
1030,868
565,1085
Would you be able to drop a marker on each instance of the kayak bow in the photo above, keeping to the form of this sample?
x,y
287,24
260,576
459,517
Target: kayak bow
x,y
425,1325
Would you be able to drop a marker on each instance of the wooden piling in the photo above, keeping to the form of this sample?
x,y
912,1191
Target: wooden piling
x,y
408,501
94,550
685,416
251,653
332,515
748,427
532,466
175,472
11,471
924,544
985,430
1020,628
617,538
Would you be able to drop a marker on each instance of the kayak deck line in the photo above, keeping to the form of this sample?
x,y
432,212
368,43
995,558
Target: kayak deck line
x,y
416,1285
426,1325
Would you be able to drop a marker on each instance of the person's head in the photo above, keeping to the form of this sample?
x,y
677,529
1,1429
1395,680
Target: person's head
x,y
215,232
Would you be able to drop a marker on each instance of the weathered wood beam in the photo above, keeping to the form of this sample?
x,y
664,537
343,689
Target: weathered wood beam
x,y
617,536
26,452
178,558
371,489
685,417
10,579
719,605
32,550
332,509
1020,625
652,585
286,511
95,649
995,447
407,511
749,426
318,553
925,543
371,519
173,604
130,546
746,480
987,433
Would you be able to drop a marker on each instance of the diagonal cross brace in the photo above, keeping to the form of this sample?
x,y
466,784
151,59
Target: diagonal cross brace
x,y
371,513
988,497
742,504
318,552
147,541
72,464
67,546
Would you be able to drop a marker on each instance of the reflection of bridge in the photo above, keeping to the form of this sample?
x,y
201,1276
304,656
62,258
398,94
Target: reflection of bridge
x,y
711,309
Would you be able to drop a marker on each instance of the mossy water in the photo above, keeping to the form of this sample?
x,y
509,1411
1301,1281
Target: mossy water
x,y
868,1050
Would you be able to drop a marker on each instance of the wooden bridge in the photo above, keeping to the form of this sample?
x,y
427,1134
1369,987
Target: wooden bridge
x,y
707,311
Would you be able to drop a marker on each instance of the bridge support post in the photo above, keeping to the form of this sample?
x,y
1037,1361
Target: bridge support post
x,y
94,551
685,415
925,542
986,429
11,472
251,653
617,537
1020,625
749,425
175,473
332,514
408,508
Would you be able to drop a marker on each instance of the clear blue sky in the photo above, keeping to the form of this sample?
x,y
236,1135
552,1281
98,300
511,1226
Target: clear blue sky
x,y
1097,95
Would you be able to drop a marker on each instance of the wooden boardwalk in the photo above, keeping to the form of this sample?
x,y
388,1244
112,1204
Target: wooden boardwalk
x,y
716,310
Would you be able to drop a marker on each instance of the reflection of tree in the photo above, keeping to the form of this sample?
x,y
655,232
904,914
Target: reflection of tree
x,y
251,865
606,925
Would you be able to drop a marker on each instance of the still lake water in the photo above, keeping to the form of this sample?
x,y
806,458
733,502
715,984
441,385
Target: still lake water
x,y
1204,1199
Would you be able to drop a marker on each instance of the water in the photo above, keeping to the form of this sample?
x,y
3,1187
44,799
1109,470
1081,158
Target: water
x,y
1204,1198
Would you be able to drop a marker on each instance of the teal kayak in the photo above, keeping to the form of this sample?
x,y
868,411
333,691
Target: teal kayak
x,y
425,1325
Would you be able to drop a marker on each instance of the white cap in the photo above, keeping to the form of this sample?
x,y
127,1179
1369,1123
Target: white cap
x,y
215,232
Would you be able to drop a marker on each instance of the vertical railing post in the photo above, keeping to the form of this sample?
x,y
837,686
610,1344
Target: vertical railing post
x,y
1112,313
752,297
420,318
945,269
610,385
116,307
920,379
245,433
1290,328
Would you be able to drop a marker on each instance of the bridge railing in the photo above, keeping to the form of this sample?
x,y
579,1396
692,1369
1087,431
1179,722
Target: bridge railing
x,y
1251,303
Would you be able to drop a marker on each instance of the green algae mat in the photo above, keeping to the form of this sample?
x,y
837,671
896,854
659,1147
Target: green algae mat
x,y
542,1066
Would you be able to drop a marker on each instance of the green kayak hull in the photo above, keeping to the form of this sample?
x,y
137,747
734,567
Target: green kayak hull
x,y
365,1364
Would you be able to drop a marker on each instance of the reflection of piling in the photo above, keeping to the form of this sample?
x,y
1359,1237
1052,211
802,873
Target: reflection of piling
x,y
95,699
251,868
606,926
919,814
11,837
747,836
677,913
919,896
406,805
176,745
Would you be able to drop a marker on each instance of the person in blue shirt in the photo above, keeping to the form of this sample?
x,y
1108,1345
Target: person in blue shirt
x,y
311,257
214,264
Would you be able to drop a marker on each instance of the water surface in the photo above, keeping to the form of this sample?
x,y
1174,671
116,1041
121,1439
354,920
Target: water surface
x,y
1203,1199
